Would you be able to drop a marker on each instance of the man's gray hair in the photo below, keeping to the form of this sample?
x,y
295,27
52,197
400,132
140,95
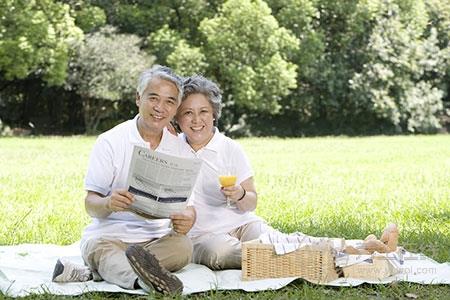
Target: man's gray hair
x,y
161,72
197,84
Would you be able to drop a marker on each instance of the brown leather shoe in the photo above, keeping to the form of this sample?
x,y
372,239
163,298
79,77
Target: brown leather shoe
x,y
150,272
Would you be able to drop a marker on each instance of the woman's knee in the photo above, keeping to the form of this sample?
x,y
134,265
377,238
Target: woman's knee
x,y
216,256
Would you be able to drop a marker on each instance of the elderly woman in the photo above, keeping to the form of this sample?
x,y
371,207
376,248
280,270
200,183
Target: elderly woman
x,y
219,228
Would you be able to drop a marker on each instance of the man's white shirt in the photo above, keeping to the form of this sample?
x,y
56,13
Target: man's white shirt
x,y
108,170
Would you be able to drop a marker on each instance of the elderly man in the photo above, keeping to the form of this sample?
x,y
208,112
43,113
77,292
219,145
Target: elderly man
x,y
120,247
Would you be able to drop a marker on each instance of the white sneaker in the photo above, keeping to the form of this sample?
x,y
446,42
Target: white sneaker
x,y
67,271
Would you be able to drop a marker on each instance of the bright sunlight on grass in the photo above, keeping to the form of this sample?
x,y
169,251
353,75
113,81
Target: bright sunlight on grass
x,y
337,186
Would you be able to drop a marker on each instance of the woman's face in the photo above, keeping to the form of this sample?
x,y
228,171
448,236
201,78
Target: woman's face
x,y
196,120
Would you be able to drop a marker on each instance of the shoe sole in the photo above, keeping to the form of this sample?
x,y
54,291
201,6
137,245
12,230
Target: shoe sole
x,y
59,269
148,269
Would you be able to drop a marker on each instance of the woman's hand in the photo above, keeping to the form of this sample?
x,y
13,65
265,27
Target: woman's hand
x,y
234,193
243,195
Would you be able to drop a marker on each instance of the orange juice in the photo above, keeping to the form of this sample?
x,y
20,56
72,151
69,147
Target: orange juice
x,y
227,180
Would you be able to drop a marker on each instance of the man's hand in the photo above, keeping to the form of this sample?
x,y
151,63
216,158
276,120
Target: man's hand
x,y
182,222
119,200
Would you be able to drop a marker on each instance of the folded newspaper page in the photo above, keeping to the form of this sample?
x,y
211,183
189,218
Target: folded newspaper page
x,y
161,183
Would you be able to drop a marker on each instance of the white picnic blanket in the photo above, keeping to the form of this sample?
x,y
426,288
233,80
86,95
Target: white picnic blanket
x,y
28,268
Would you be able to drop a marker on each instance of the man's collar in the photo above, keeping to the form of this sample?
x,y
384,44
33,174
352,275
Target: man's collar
x,y
136,138
166,143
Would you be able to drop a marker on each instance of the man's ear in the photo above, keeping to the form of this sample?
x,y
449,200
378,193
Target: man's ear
x,y
138,99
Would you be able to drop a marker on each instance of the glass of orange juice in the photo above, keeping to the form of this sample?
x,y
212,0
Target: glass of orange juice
x,y
227,177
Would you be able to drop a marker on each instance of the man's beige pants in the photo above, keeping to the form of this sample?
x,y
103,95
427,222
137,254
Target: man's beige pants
x,y
223,251
107,260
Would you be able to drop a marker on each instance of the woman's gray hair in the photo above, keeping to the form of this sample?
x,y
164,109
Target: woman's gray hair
x,y
161,72
197,84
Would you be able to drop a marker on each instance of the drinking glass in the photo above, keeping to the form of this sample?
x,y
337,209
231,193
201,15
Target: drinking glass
x,y
227,178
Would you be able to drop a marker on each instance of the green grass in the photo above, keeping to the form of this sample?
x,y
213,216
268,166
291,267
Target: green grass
x,y
340,187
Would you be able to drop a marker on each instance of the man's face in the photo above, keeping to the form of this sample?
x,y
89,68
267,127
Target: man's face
x,y
158,104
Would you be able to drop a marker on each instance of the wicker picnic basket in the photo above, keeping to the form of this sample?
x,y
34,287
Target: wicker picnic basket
x,y
314,263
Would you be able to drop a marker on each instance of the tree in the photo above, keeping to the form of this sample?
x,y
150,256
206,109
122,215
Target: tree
x,y
90,18
145,17
335,37
105,71
395,85
248,53
439,15
170,48
304,104
35,38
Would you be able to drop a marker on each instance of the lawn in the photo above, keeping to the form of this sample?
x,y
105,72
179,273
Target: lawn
x,y
333,186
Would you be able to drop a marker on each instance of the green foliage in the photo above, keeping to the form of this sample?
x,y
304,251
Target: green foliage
x,y
411,12
104,71
256,74
187,60
141,19
35,38
439,15
393,83
305,66
90,18
162,43
146,17
170,48
337,41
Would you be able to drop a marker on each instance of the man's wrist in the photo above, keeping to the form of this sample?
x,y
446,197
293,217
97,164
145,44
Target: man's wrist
x,y
108,203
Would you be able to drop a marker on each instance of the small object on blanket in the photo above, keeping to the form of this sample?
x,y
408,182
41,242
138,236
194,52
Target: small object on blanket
x,y
378,267
67,271
387,243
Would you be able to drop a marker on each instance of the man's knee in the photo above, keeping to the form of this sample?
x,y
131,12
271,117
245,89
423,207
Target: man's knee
x,y
184,249
173,251
93,250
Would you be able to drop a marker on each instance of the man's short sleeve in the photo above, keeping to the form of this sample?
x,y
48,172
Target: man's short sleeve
x,y
100,174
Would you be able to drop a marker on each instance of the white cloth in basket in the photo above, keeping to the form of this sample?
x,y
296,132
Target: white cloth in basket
x,y
286,243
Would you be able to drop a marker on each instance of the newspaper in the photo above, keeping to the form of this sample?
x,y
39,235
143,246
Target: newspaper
x,y
161,183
